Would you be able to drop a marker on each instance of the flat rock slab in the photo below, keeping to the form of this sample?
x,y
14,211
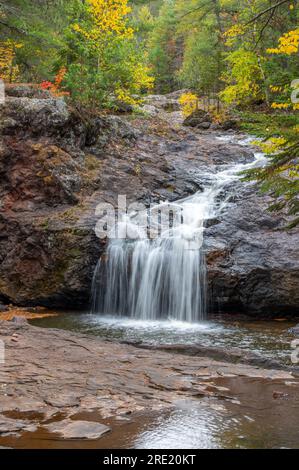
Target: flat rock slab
x,y
63,400
78,429
55,373
8,426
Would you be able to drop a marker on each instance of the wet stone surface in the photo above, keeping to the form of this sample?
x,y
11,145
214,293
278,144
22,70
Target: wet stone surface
x,y
51,376
68,429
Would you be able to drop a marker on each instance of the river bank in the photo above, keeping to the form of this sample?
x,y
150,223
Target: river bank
x,y
51,378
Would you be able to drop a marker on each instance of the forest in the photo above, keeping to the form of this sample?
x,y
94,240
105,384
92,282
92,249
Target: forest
x,y
241,56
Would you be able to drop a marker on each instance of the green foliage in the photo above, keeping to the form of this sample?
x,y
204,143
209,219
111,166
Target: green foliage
x,y
164,48
281,179
281,176
39,28
103,61
266,125
93,86
246,51
244,78
102,66
201,63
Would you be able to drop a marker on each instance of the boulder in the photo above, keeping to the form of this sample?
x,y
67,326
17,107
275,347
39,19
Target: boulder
x,y
123,108
171,105
253,263
149,110
229,124
199,119
26,91
204,125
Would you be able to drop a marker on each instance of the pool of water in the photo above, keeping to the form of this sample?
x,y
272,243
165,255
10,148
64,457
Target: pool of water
x,y
254,421
269,338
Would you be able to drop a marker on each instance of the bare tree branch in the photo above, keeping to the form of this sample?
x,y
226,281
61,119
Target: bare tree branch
x,y
264,27
264,12
203,5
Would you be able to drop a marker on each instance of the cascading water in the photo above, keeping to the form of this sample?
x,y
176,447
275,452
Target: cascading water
x,y
163,278
151,280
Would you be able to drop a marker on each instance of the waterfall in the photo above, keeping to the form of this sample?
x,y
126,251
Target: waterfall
x,y
164,277
151,280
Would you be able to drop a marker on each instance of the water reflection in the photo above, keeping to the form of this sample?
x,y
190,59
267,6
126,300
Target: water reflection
x,y
188,427
257,422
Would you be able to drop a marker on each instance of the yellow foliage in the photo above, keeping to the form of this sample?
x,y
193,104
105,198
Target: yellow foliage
x,y
235,30
141,77
189,103
278,89
280,105
232,33
288,44
109,17
218,116
8,71
273,145
107,25
124,96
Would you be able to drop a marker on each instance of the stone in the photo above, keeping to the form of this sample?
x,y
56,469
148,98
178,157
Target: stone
x,y
294,331
26,91
279,395
122,107
20,321
230,124
199,118
204,125
78,429
171,105
149,110
8,426
63,400
87,374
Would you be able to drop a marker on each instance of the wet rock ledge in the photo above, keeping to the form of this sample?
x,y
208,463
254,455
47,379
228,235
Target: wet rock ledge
x,y
54,375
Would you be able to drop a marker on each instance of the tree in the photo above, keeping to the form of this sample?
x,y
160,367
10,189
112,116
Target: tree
x,y
102,57
202,24
38,26
281,176
255,27
9,71
244,78
165,49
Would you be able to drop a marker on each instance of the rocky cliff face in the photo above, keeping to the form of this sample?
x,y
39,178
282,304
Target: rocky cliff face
x,y
56,165
253,263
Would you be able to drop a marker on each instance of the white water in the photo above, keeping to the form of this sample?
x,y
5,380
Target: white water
x,y
164,278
